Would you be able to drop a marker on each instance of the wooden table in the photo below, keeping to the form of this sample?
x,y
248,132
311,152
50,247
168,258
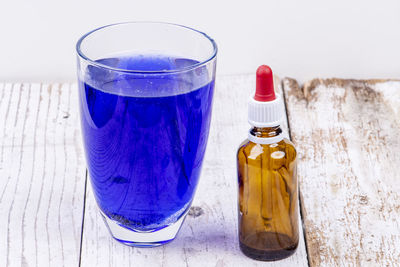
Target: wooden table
x,y
347,133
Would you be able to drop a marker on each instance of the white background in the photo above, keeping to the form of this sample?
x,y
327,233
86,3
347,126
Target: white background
x,y
301,39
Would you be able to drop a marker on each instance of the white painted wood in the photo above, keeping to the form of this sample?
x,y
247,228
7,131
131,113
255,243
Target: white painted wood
x,y
209,239
347,133
41,175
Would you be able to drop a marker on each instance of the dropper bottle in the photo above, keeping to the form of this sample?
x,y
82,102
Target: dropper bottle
x,y
268,190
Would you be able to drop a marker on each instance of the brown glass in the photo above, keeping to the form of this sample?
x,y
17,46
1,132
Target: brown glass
x,y
268,197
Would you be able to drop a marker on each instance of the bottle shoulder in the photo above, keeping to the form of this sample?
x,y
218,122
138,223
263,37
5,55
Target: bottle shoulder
x,y
289,144
248,147
284,142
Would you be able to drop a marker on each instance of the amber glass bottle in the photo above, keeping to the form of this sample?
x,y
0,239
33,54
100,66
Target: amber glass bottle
x,y
268,190
268,207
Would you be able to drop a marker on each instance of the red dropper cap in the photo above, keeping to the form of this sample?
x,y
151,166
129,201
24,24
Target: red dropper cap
x,y
265,84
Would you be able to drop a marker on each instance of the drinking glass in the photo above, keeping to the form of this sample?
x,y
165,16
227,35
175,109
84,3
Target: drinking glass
x,y
146,92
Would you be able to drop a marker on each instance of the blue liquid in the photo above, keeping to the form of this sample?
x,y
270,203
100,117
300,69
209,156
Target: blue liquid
x,y
145,138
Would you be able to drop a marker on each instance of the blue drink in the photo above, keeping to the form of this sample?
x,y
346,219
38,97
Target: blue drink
x,y
145,91
145,138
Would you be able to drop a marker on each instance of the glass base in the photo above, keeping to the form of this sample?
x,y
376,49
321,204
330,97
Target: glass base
x,y
143,239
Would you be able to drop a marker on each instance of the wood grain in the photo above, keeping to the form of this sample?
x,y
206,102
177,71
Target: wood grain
x,y
347,135
208,237
41,175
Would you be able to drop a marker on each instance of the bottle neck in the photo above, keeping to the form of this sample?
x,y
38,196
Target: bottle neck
x,y
266,135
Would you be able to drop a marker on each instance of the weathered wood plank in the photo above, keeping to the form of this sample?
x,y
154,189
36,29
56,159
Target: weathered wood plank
x,y
347,135
209,235
42,175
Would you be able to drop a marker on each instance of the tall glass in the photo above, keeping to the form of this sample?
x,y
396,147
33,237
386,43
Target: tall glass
x,y
146,92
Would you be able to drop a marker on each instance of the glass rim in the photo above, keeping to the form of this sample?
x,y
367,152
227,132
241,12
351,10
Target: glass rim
x,y
104,66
